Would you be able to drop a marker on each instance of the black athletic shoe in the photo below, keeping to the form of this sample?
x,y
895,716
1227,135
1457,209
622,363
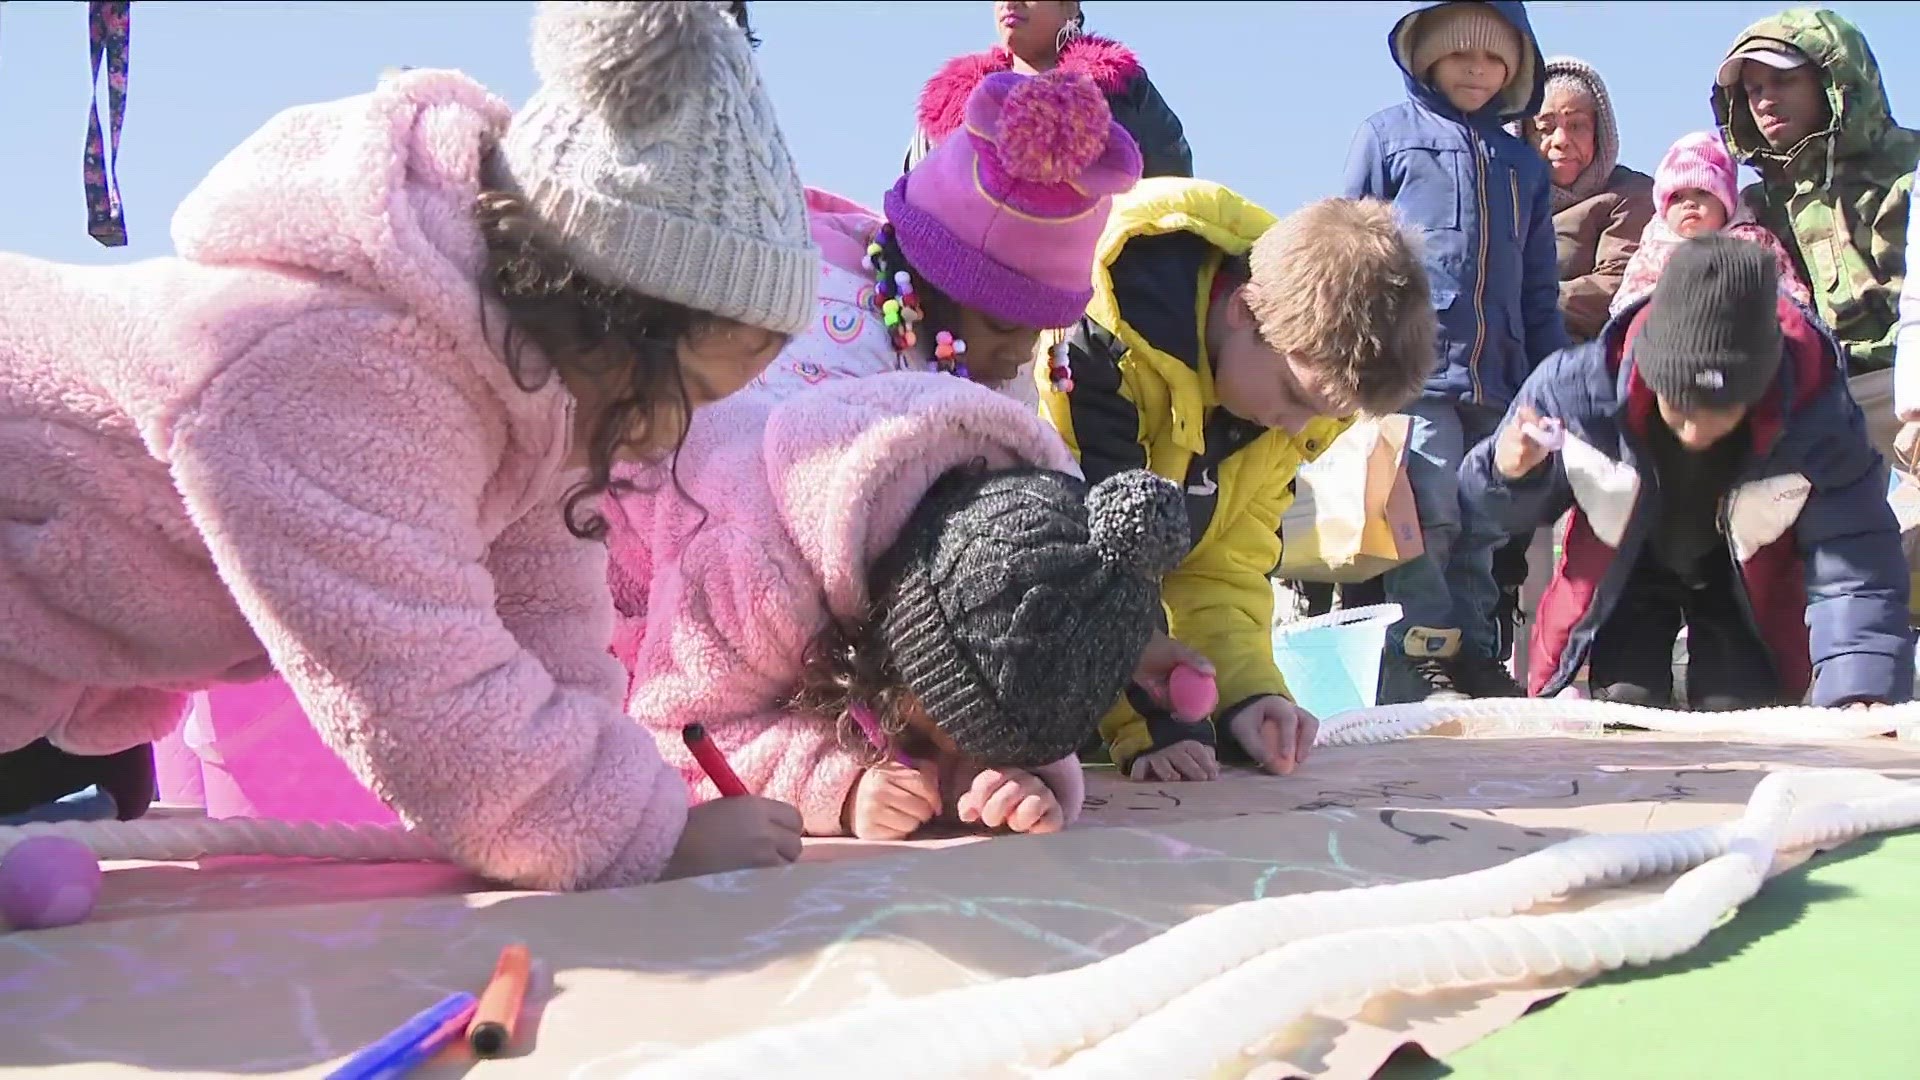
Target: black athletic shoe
x,y
1485,677
1405,679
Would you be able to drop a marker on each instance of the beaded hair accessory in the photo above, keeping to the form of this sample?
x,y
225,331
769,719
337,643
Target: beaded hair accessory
x,y
900,306
1059,370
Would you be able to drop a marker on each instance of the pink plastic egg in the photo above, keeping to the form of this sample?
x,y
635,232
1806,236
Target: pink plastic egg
x,y
48,881
1191,692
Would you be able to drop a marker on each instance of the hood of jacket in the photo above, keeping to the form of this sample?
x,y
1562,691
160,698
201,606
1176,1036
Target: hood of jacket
x,y
1525,89
1862,118
943,101
386,182
825,480
843,229
1598,175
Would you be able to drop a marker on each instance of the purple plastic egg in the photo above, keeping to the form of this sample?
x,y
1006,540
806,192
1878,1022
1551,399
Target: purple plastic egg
x,y
48,881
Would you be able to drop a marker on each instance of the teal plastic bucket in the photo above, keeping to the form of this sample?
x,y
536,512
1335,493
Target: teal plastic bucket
x,y
1332,662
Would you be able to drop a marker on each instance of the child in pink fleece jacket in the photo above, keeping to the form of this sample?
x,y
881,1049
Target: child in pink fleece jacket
x,y
987,242
888,599
1696,191
327,440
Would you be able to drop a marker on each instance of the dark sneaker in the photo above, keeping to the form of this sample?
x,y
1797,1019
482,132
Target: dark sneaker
x,y
1405,679
1506,620
1484,677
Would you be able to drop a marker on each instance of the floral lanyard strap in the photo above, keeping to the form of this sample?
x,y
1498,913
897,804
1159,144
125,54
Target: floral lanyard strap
x,y
107,29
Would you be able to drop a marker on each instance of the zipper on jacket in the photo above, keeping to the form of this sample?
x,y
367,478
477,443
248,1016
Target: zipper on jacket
x,y
1480,280
1513,190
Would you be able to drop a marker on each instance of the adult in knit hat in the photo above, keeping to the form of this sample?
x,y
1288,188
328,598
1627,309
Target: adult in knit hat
x,y
337,437
987,241
1600,207
1600,210
1713,448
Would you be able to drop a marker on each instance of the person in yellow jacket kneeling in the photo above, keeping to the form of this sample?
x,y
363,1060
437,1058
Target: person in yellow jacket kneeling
x,y
1222,350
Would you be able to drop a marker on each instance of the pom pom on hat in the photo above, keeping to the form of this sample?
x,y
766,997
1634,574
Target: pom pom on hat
x,y
653,160
1052,127
1138,519
628,58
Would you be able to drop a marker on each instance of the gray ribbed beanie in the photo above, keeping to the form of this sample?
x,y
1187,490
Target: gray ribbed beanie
x,y
652,154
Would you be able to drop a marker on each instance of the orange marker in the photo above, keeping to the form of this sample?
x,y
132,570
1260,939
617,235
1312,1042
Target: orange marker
x,y
492,1027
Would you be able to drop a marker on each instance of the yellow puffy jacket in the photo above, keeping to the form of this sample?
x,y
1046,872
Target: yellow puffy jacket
x,y
1143,397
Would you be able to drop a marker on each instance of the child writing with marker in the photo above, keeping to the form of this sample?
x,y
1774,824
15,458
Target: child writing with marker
x,y
887,600
351,432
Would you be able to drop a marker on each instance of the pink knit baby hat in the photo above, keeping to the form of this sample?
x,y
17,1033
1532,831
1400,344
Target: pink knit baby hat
x,y
1004,214
1698,160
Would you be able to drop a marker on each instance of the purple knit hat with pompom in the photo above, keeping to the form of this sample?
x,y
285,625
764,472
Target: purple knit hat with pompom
x,y
1003,216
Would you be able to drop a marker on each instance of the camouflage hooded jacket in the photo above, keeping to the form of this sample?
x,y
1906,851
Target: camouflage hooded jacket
x,y
1840,196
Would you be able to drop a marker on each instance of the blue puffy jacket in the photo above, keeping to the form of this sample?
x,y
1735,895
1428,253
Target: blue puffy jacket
x,y
1483,199
1822,577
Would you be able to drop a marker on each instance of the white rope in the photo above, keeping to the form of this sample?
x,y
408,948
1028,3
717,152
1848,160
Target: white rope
x,y
179,839
183,839
1160,1006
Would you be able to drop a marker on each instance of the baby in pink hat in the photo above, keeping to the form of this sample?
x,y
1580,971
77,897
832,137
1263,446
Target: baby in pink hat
x,y
986,243
1696,192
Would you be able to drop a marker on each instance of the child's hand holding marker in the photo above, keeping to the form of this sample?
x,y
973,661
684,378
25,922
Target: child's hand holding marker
x,y
1526,441
735,832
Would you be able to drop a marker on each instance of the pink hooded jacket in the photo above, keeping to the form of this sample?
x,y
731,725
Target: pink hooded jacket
x,y
847,339
786,504
292,448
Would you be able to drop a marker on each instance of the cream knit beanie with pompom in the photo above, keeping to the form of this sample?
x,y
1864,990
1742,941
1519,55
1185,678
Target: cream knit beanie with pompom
x,y
652,155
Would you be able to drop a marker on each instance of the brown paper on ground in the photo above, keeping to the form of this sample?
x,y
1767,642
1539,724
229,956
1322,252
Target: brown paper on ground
x,y
255,967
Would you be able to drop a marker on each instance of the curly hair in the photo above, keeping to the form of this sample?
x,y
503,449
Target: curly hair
x,y
846,663
584,328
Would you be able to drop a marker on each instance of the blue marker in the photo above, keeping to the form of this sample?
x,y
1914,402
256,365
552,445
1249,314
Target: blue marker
x,y
412,1043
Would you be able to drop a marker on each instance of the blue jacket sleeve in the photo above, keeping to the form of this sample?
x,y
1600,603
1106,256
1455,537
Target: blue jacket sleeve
x,y
1366,174
1540,284
1856,575
1537,499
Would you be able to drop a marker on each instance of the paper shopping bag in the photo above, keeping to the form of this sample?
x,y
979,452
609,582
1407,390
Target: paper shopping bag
x,y
1903,495
1353,515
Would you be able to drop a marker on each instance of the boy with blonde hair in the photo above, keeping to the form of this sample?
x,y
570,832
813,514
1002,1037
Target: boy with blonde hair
x,y
1222,350
1483,200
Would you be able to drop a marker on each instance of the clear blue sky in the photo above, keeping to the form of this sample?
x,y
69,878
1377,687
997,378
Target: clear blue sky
x,y
1270,92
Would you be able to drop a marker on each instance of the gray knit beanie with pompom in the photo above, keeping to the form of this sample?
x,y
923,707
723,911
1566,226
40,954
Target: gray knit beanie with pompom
x,y
1020,602
652,156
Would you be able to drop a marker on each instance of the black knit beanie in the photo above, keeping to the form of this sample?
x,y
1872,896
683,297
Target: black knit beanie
x,y
1712,334
1020,602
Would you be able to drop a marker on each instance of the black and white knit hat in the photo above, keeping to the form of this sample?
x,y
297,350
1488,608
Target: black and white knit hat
x,y
1712,334
1021,602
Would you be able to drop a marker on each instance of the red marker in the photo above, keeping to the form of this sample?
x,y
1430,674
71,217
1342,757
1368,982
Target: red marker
x,y
712,762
